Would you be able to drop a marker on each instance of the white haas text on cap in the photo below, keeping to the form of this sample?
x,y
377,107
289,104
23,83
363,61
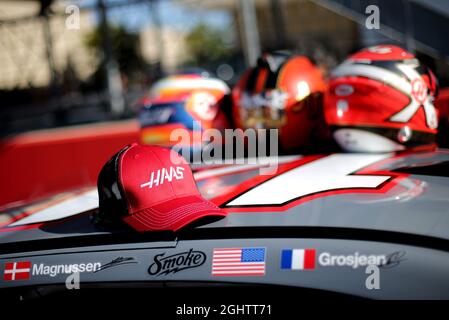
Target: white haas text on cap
x,y
158,177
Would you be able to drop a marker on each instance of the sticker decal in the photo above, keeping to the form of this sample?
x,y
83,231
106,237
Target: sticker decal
x,y
298,259
354,261
17,271
24,270
117,262
164,265
238,262
43,269
308,259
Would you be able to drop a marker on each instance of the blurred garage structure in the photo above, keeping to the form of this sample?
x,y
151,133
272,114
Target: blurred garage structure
x,y
54,76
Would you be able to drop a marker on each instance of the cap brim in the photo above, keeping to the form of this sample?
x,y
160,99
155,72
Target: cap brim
x,y
173,215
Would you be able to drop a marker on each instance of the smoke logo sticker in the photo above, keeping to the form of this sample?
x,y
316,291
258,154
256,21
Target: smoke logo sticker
x,y
164,265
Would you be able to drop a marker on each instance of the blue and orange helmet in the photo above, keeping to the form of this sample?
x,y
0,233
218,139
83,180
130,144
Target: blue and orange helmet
x,y
192,102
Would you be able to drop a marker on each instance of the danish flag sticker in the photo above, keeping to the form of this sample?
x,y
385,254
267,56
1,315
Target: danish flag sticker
x,y
17,271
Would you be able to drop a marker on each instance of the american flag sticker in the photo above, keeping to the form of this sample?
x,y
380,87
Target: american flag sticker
x,y
17,271
298,259
236,262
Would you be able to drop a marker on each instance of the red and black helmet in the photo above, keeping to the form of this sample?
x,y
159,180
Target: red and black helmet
x,y
284,92
381,99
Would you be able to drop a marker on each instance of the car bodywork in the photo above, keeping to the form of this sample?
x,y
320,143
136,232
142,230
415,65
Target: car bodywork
x,y
350,211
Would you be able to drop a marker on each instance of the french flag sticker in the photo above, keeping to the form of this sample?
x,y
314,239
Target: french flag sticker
x,y
298,259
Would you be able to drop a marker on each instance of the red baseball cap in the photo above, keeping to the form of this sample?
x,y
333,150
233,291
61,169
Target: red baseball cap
x,y
151,188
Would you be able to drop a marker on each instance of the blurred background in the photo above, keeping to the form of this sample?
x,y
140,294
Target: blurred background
x,y
60,68
70,62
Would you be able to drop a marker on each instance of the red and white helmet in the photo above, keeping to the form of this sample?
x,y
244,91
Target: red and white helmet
x,y
282,92
380,100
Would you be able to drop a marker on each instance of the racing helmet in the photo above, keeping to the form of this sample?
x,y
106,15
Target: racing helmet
x,y
192,102
380,100
284,92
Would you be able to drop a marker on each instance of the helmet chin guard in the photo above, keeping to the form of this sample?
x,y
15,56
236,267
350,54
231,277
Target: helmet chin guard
x,y
357,140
